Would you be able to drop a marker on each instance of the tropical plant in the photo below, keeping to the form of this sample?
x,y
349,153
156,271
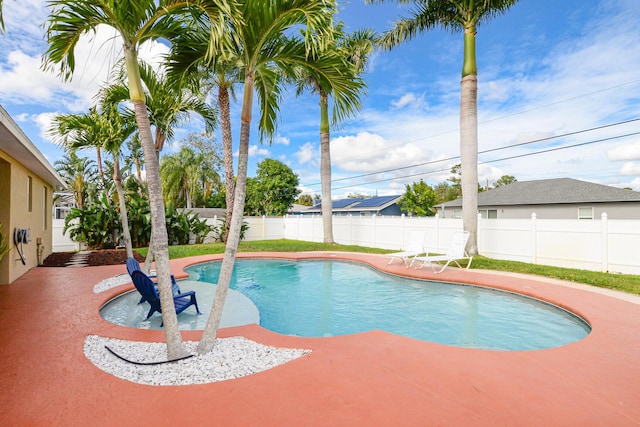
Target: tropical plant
x,y
419,199
335,73
136,21
191,173
107,129
79,173
94,225
261,44
223,232
305,200
463,16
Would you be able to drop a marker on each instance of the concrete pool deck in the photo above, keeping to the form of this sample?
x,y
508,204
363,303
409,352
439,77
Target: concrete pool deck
x,y
368,379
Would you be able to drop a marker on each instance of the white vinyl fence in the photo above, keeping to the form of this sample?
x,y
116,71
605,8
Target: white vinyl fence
x,y
598,245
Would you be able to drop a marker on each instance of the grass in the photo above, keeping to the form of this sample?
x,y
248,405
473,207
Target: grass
x,y
622,282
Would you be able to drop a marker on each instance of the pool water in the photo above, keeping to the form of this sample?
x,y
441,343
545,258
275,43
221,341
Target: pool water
x,y
322,298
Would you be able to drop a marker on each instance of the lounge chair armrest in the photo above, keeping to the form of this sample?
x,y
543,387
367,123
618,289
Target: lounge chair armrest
x,y
185,294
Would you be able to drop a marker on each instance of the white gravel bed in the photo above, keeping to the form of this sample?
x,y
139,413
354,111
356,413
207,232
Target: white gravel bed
x,y
111,282
230,358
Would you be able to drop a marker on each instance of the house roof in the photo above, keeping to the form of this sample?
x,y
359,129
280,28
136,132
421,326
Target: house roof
x,y
16,144
550,192
359,204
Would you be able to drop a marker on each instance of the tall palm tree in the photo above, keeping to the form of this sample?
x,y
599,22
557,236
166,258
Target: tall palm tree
x,y
260,46
169,104
458,16
347,56
107,129
135,21
225,76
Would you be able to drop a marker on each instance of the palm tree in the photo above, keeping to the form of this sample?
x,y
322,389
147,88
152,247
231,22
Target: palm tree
x,y
135,21
260,46
107,129
457,16
225,76
184,174
1,19
77,173
169,105
347,56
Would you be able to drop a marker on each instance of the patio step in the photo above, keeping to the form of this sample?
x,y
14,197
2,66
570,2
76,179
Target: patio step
x,y
79,259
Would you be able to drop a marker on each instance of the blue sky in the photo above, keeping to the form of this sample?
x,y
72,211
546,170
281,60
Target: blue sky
x,y
549,71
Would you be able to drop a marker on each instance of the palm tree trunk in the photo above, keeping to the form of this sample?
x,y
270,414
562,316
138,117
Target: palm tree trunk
x,y
227,143
231,248
99,161
126,234
469,140
325,169
469,159
175,348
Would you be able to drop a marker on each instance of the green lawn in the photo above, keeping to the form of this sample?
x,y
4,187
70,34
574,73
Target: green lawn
x,y
623,282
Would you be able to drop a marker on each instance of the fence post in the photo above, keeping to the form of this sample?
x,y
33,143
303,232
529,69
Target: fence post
x,y
375,234
437,248
479,234
604,244
534,239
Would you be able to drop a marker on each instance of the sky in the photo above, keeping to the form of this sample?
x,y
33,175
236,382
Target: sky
x,y
558,97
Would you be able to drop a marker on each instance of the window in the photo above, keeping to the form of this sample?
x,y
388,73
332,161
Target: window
x,y
29,194
44,208
488,213
457,213
585,213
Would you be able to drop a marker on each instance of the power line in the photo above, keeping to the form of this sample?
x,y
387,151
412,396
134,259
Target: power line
x,y
496,160
481,152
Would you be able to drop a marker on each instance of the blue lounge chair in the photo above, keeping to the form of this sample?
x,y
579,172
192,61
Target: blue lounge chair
x,y
134,265
147,289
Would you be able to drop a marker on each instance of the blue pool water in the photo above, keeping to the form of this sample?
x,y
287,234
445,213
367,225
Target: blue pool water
x,y
325,298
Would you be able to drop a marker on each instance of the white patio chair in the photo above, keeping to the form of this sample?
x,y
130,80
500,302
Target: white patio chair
x,y
414,248
455,253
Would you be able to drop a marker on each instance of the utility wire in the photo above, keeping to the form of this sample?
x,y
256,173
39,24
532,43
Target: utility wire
x,y
495,160
482,152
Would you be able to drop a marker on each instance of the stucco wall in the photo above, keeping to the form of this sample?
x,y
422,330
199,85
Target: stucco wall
x,y
15,212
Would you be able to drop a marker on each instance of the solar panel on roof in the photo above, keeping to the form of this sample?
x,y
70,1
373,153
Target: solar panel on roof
x,y
343,203
375,201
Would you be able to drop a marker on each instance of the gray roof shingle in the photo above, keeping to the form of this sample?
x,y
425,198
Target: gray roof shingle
x,y
551,191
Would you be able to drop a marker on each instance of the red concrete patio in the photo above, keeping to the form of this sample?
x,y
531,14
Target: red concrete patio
x,y
369,379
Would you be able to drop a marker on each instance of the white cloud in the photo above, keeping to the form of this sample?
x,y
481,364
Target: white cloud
x,y
306,153
626,152
630,168
409,100
256,150
281,140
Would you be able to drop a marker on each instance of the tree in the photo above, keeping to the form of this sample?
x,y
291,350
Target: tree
x,y
78,173
261,43
107,130
458,16
504,180
135,21
419,199
190,172
347,55
274,189
305,200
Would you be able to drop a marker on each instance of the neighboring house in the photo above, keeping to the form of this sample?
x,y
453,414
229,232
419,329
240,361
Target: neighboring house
x,y
383,205
562,198
27,183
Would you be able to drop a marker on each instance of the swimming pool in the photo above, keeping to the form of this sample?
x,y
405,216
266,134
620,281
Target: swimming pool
x,y
316,298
